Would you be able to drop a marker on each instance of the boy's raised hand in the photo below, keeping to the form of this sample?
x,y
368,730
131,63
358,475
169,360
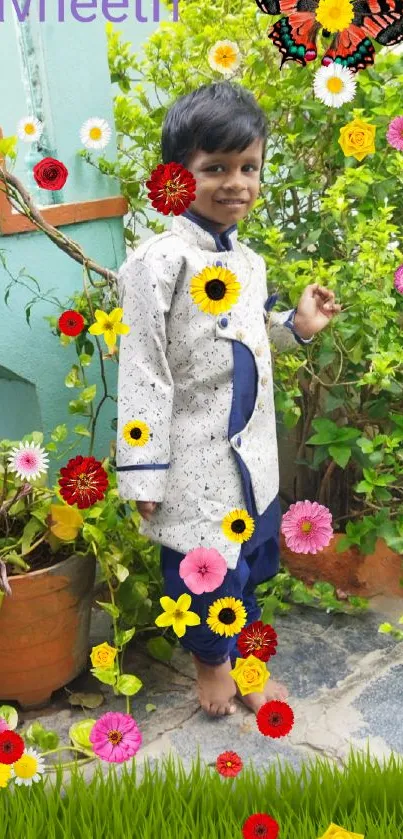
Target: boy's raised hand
x,y
316,308
146,508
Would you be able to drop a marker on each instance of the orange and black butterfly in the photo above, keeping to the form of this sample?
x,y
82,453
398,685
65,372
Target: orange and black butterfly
x,y
295,34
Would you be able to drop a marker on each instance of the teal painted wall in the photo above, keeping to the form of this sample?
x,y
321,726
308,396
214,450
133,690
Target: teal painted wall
x,y
69,81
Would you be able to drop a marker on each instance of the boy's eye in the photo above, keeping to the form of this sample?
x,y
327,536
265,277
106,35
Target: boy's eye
x,y
219,166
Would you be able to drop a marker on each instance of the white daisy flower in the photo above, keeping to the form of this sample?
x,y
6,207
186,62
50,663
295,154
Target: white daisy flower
x,y
95,133
334,85
29,129
28,768
225,57
28,461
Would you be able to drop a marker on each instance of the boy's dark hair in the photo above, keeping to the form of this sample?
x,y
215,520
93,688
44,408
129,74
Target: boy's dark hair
x,y
215,117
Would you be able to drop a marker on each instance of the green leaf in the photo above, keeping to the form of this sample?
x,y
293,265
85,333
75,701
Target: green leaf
x,y
341,454
8,147
88,394
81,429
270,605
160,649
79,734
86,700
128,685
110,608
122,637
150,707
104,675
10,715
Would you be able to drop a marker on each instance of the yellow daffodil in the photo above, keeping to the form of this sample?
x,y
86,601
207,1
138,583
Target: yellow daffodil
x,y
336,832
5,774
250,674
176,614
335,15
66,521
108,325
103,655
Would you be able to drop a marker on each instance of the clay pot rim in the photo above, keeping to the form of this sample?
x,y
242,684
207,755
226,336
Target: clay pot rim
x,y
29,574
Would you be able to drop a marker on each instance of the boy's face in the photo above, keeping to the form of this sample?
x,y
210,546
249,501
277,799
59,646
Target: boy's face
x,y
222,176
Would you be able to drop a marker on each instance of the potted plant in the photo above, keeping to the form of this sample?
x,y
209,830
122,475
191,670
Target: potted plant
x,y
46,578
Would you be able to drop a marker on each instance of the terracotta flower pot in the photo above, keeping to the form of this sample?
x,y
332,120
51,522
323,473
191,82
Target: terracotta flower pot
x,y
44,630
351,571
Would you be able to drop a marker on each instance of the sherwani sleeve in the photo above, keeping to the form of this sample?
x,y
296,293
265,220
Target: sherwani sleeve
x,y
145,384
280,325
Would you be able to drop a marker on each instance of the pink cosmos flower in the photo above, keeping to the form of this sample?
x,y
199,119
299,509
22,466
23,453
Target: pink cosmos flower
x,y
394,133
203,569
307,527
399,279
3,725
116,737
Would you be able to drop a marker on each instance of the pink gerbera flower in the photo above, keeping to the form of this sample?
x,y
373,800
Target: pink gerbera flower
x,y
394,133
116,737
203,569
399,279
307,527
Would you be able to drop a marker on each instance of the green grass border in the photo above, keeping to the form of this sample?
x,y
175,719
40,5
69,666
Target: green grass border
x,y
167,803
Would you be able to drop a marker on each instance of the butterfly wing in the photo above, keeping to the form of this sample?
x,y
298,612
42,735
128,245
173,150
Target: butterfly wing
x,y
351,48
381,20
295,37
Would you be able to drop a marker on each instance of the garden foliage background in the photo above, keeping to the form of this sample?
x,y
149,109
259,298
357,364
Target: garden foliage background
x,y
321,217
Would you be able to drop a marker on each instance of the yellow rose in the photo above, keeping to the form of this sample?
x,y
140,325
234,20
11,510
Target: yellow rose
x,y
336,832
250,674
357,139
103,655
65,521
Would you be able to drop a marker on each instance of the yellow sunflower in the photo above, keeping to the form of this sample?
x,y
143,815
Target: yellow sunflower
x,y
226,616
215,289
136,433
238,525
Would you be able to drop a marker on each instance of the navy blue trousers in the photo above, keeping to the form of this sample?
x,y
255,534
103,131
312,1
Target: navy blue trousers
x,y
252,569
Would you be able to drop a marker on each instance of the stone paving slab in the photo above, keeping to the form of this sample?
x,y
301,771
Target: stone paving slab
x,y
343,677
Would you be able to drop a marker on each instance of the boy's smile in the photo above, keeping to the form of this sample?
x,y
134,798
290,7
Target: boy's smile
x,y
227,183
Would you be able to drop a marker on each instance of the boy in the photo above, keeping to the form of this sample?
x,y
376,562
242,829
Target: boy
x,y
197,442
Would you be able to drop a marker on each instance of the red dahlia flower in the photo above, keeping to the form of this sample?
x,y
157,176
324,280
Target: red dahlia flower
x,y
11,747
275,719
260,825
83,481
257,639
71,323
229,764
50,173
171,188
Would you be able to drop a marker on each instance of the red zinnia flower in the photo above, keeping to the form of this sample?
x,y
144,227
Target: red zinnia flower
x,y
260,825
84,481
71,323
229,764
257,639
50,173
275,719
11,747
171,188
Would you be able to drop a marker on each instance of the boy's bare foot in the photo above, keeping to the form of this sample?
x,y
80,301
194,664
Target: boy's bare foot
x,y
271,690
216,688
